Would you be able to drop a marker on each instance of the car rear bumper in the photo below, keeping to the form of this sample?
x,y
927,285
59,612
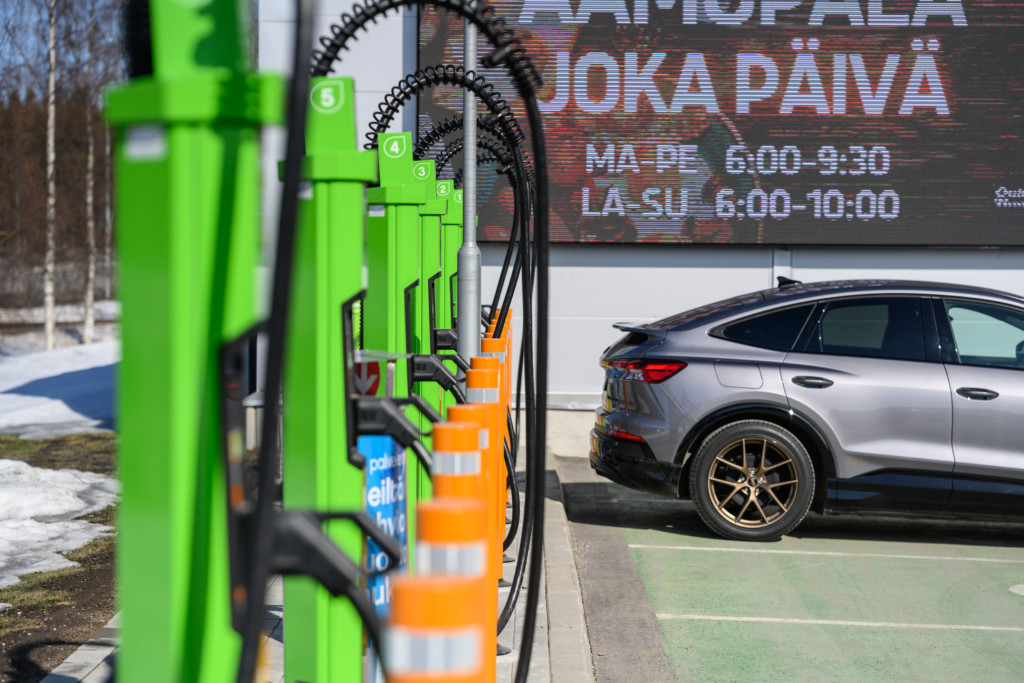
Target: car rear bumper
x,y
632,464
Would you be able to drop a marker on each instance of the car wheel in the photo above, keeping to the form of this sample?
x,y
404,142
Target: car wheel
x,y
752,481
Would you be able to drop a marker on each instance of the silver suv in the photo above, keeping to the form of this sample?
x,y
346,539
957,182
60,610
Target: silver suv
x,y
850,396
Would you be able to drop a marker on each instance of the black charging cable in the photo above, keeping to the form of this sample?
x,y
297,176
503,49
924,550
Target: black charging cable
x,y
263,542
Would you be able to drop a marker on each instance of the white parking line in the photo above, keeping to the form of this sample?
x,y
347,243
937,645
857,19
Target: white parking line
x,y
828,622
825,553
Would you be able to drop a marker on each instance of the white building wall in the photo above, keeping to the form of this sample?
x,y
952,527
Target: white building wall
x,y
377,60
594,286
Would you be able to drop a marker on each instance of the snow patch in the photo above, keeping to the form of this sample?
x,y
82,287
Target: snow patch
x,y
103,311
38,508
65,391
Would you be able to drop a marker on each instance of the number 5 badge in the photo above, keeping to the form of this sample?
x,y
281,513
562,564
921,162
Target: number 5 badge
x,y
327,97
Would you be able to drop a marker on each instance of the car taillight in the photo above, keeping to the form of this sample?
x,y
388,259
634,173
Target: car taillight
x,y
626,436
651,371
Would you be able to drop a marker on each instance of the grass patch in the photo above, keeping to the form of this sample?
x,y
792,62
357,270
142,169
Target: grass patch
x,y
87,452
37,595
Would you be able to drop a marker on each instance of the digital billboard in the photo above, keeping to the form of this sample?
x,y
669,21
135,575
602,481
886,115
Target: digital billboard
x,y
828,122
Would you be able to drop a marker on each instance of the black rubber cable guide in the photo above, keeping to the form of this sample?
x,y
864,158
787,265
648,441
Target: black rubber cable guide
x,y
348,354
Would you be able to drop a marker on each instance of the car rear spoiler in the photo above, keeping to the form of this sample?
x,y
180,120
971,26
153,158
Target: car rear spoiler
x,y
639,328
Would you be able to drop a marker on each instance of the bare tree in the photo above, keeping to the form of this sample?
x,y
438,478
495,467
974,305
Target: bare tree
x,y
107,221
55,57
90,182
51,175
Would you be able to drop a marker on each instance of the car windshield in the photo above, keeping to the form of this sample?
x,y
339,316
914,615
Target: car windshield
x,y
674,321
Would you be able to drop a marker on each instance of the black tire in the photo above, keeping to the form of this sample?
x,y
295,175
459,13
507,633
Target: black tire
x,y
752,451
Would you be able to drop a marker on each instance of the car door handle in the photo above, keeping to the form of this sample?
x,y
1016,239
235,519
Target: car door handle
x,y
976,394
812,382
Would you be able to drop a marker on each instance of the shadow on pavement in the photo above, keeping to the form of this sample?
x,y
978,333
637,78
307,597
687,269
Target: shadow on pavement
x,y
636,510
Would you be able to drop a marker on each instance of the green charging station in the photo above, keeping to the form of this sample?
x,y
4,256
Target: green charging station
x,y
393,274
324,635
429,267
451,242
187,156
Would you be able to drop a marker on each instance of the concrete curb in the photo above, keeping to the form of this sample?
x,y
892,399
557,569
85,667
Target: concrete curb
x,y
93,662
568,643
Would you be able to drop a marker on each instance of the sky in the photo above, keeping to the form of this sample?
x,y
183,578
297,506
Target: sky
x,y
66,391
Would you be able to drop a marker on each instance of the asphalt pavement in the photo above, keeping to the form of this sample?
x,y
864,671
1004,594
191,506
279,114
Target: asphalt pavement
x,y
842,598
637,589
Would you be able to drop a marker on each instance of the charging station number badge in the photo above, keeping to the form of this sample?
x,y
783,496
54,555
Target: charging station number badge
x,y
327,97
394,147
421,170
443,190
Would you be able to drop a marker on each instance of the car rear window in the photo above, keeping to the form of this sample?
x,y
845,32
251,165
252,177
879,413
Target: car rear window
x,y
778,329
876,327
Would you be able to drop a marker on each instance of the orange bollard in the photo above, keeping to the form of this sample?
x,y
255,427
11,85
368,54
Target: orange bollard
x,y
465,484
456,446
487,390
465,435
436,629
453,542
496,348
452,535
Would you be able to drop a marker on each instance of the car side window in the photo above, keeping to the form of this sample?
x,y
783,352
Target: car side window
x,y
986,334
775,330
879,327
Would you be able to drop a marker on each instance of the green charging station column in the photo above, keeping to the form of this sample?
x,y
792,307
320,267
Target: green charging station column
x,y
323,635
451,242
392,252
429,266
187,203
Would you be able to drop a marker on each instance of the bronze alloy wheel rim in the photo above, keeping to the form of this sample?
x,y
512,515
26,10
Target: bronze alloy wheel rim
x,y
753,482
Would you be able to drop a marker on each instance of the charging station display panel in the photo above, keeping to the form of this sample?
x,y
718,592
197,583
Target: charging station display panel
x,y
857,122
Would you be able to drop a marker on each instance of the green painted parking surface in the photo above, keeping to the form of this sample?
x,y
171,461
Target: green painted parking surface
x,y
843,599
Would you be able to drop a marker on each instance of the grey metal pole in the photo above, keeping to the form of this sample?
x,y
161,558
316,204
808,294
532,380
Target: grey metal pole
x,y
469,255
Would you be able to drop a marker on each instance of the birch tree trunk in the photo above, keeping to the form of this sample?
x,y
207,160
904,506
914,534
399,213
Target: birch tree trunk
x,y
51,177
90,186
107,218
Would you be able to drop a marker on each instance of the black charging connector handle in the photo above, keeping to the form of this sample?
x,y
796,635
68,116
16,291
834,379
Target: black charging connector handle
x,y
420,404
444,340
301,548
385,543
380,416
430,368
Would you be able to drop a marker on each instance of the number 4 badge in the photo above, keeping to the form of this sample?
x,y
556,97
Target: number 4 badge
x,y
394,147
